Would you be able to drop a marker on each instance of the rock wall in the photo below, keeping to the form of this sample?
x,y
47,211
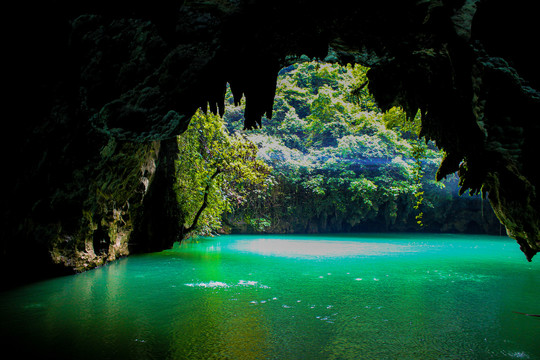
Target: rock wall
x,y
94,87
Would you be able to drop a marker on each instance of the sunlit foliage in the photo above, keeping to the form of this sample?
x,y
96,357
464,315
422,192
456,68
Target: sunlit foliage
x,y
328,160
338,160
215,172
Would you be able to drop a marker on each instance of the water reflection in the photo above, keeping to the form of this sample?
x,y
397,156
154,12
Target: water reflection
x,y
317,248
214,327
247,297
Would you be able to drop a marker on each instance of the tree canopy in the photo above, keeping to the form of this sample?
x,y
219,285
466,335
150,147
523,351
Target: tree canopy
x,y
215,171
328,160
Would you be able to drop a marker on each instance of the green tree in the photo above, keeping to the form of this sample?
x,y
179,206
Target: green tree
x,y
215,172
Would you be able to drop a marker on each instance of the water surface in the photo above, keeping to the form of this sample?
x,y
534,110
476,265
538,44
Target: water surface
x,y
374,296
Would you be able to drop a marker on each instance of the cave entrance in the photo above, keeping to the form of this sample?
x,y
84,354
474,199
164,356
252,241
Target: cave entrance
x,y
338,164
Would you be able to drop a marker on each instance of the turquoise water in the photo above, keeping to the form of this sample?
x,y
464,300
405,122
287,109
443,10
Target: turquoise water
x,y
375,296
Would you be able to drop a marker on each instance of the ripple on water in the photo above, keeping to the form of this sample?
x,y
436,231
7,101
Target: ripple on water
x,y
210,284
517,355
219,284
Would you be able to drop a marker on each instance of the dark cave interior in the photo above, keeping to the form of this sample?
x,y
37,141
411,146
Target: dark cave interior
x,y
97,92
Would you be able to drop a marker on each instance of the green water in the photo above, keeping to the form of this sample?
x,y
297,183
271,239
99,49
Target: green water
x,y
289,297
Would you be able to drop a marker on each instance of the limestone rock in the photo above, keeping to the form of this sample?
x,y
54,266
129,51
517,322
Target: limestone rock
x,y
96,86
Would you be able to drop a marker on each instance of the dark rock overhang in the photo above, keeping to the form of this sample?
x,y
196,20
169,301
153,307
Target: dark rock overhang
x,y
91,74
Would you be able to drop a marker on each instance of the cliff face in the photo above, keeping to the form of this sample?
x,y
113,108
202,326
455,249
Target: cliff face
x,y
94,89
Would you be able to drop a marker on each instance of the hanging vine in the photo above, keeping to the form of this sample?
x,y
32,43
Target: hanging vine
x,y
419,153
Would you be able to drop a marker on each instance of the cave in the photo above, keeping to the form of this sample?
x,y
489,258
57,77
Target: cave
x,y
98,92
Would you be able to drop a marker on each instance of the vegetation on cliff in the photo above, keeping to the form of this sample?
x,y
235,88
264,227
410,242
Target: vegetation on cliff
x,y
327,160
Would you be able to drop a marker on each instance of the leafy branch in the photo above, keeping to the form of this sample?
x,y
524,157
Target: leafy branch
x,y
204,203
